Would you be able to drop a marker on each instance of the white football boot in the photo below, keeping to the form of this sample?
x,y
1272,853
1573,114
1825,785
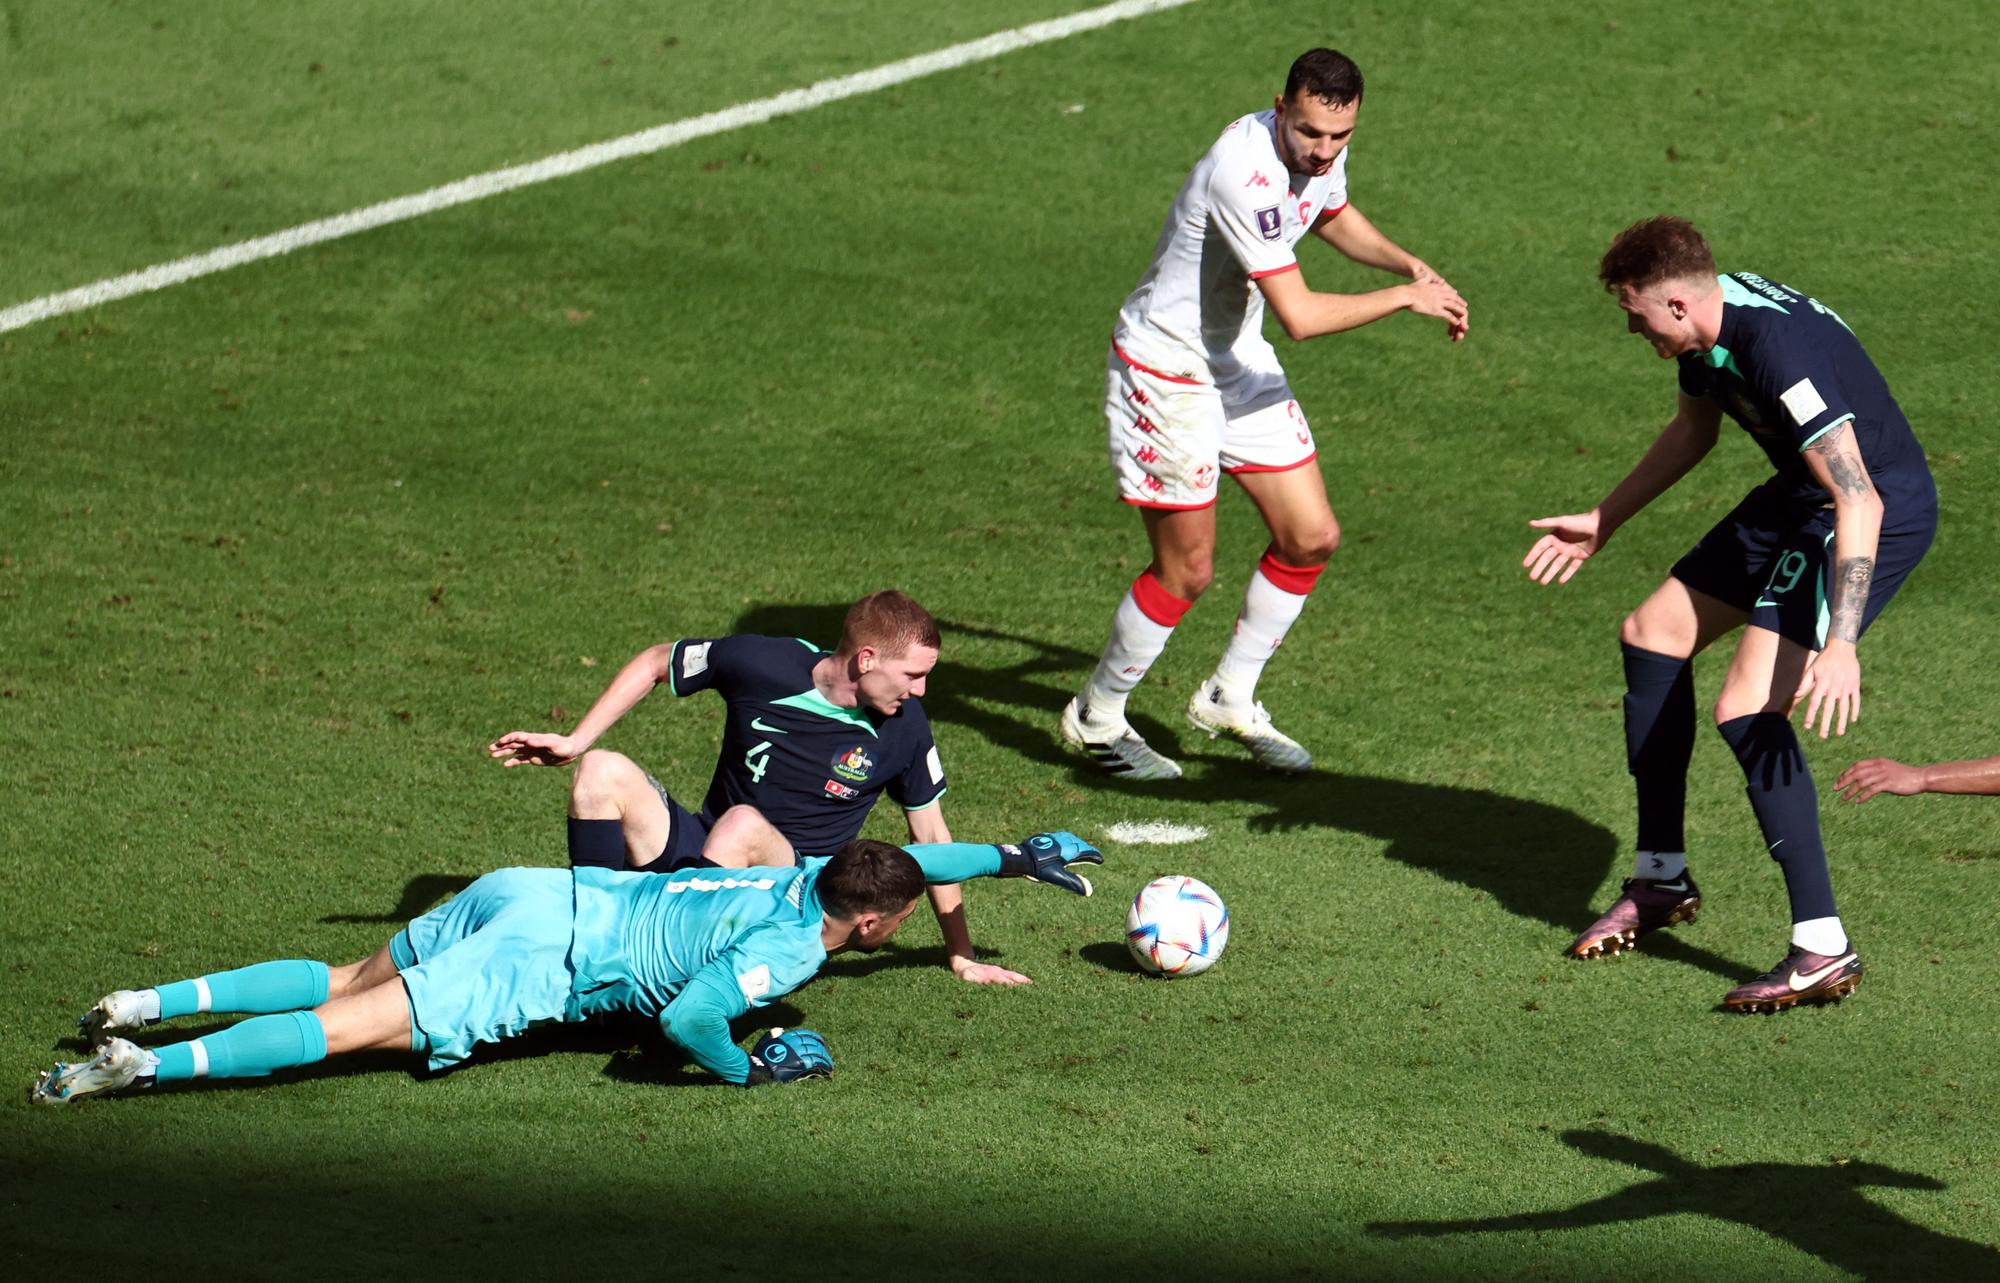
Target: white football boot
x,y
116,1066
123,1009
1250,726
1118,748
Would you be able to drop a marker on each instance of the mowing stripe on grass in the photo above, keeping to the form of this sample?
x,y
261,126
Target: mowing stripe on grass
x,y
659,138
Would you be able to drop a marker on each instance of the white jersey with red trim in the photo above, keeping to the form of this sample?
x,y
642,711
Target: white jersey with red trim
x,y
1197,312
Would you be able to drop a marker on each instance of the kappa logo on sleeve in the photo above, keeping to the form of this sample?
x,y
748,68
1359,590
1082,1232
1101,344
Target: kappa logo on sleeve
x,y
1803,402
1271,222
694,661
755,983
937,767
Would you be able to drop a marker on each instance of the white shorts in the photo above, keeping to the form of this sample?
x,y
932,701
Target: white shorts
x,y
1171,438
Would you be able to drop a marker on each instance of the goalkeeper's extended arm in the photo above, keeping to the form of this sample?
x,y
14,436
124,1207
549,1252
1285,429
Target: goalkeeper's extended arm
x,y
1045,857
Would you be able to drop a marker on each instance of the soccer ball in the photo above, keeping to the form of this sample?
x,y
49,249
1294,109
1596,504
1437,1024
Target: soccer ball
x,y
1177,926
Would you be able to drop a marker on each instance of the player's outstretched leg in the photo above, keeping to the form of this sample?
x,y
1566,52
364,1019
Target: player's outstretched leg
x,y
1643,905
120,1009
117,1065
265,988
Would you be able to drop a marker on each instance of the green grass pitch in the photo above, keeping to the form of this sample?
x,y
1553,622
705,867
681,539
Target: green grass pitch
x,y
284,547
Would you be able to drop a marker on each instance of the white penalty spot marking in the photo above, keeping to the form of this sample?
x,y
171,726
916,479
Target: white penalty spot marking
x,y
1153,833
493,183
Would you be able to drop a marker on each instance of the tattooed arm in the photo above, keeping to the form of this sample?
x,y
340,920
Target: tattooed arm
x,y
1835,676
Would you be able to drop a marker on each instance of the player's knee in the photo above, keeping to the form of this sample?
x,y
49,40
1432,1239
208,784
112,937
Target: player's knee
x,y
740,825
1644,632
743,837
598,782
1730,705
1186,577
1311,547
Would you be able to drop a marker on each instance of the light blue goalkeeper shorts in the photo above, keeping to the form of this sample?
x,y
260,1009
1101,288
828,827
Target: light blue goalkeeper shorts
x,y
489,963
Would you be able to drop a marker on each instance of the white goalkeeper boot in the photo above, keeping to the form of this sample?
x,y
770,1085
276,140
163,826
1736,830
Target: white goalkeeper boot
x,y
116,1066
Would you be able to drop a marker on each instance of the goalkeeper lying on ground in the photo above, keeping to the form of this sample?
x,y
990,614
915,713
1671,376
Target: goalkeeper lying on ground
x,y
525,947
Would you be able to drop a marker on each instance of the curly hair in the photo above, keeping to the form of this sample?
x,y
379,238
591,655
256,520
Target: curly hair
x,y
1653,250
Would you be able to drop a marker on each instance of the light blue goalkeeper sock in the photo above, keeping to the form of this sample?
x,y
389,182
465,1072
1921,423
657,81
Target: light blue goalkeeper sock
x,y
250,1049
269,986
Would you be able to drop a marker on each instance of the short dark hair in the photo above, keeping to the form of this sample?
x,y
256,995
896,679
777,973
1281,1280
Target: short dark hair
x,y
867,876
890,622
1656,249
1327,75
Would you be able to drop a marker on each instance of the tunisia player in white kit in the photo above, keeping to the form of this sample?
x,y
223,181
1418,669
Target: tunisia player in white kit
x,y
1194,391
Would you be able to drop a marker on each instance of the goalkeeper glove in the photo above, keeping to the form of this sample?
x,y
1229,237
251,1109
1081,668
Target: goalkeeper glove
x,y
1049,857
787,1055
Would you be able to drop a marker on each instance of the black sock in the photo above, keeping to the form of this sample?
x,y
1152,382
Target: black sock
x,y
1787,805
596,843
1659,739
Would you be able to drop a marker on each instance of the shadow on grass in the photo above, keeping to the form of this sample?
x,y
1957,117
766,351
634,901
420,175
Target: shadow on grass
x,y
894,957
1111,957
335,1211
419,895
1535,860
1816,1208
635,1049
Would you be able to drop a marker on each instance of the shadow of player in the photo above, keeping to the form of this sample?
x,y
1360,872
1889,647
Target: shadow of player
x,y
419,895
1535,860
1817,1209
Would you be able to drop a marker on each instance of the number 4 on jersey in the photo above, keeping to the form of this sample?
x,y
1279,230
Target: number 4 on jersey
x,y
758,759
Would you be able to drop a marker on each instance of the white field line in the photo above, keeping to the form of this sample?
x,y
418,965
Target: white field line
x,y
659,138
1153,833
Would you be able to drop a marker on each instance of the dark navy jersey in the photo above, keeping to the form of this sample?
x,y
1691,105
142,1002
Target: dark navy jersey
x,y
1787,368
813,768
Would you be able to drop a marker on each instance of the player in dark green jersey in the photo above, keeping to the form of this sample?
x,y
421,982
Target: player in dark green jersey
x,y
1803,565
810,740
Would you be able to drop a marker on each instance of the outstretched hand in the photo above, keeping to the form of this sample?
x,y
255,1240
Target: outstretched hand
x,y
1569,541
1048,857
1865,779
527,748
986,973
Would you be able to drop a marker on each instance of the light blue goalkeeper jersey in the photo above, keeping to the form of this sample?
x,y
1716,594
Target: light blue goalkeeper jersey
x,y
699,947
695,949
